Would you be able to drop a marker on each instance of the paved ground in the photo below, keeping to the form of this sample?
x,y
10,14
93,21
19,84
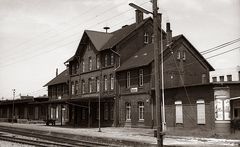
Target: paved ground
x,y
131,134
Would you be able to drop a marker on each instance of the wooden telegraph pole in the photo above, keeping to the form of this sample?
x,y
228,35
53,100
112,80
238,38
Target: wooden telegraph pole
x,y
157,20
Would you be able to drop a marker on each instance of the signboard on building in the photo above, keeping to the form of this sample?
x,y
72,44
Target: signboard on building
x,y
135,89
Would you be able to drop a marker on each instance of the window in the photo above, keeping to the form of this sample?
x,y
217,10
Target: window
x,y
146,38
90,63
97,84
214,79
201,112
179,112
184,55
98,62
141,110
204,78
57,112
83,66
222,108
141,77
83,86
83,114
221,78
90,85
111,111
112,59
178,55
105,111
128,111
112,82
73,87
106,60
128,80
76,87
105,83
229,77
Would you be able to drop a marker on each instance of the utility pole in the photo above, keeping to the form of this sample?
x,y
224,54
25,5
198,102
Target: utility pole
x,y
156,18
99,97
156,73
14,90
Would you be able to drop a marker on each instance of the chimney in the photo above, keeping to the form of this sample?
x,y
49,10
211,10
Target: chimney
x,y
106,28
56,71
139,16
169,33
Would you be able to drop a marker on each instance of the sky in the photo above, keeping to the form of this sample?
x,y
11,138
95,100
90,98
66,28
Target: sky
x,y
38,36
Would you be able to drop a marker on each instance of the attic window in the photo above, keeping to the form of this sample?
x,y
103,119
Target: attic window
x,y
178,55
146,38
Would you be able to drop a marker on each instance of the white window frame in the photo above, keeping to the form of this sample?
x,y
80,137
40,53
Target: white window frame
x,y
83,66
140,77
141,111
179,112
106,60
90,63
83,86
146,39
98,62
128,79
105,83
184,55
111,82
128,111
201,115
98,84
178,55
112,59
90,85
73,88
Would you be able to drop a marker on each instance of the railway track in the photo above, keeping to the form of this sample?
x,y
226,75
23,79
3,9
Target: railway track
x,y
46,140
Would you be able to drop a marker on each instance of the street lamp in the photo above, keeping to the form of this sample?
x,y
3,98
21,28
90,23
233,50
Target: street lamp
x,y
156,68
14,90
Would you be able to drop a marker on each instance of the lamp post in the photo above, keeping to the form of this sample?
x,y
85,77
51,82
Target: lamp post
x,y
14,90
156,68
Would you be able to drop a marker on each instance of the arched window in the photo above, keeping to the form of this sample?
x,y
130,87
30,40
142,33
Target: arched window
x,y
128,111
141,111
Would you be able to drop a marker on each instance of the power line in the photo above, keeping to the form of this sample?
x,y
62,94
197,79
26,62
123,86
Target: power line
x,y
220,46
98,22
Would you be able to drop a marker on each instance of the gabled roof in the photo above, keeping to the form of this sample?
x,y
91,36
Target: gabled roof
x,y
145,55
142,57
61,78
99,39
123,33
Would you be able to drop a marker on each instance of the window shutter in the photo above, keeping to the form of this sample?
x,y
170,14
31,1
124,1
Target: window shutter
x,y
201,112
179,113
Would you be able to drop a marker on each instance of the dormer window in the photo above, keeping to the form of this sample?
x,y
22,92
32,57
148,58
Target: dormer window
x,y
146,38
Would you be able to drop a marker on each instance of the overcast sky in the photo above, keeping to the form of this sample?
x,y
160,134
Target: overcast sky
x,y
38,36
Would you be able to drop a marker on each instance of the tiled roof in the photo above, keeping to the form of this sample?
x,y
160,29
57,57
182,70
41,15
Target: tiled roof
x,y
142,57
122,33
61,78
